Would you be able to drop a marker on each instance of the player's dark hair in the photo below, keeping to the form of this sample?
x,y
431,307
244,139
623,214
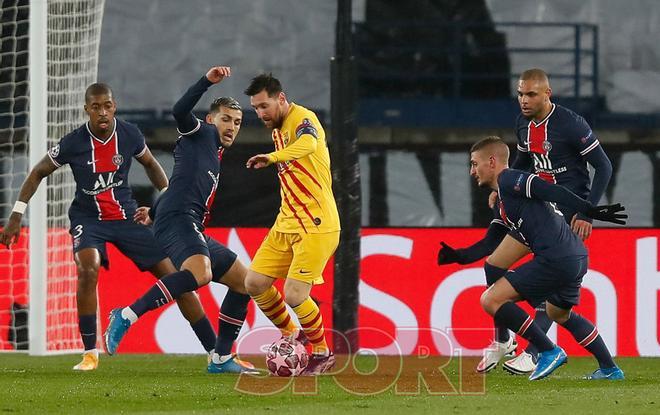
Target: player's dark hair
x,y
227,102
265,81
499,147
97,89
534,74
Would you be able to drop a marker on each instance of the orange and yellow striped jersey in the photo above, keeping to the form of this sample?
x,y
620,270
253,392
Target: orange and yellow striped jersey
x,y
303,167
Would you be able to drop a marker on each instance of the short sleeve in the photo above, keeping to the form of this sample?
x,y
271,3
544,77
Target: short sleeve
x,y
140,144
60,154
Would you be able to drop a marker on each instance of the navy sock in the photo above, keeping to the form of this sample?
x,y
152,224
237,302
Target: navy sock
x,y
493,274
586,334
204,332
230,321
515,318
87,326
165,290
544,322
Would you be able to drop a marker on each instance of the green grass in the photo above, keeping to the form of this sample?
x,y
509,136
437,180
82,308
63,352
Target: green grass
x,y
179,384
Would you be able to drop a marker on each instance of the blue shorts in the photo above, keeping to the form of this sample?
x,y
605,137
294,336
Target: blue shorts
x,y
557,282
182,236
135,241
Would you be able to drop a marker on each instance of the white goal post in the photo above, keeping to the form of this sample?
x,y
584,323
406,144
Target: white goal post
x,y
61,46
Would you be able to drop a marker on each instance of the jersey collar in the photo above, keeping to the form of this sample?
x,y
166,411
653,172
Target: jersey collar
x,y
114,129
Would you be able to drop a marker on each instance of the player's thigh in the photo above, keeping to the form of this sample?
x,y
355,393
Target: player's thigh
x,y
227,269
87,234
274,256
137,242
311,252
180,237
534,281
507,253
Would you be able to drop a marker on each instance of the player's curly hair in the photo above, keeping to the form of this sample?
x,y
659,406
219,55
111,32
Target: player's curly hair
x,y
227,102
265,81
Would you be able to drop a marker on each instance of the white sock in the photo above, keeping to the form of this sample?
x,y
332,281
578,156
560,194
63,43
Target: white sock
x,y
129,314
95,352
217,359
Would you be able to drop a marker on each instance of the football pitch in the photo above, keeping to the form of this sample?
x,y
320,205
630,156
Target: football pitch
x,y
179,384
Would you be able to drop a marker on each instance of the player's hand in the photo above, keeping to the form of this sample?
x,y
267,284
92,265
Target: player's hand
x,y
141,216
492,198
581,228
12,231
447,255
258,162
218,73
608,213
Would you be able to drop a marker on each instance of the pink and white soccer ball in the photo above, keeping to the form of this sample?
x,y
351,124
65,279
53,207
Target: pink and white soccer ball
x,y
287,357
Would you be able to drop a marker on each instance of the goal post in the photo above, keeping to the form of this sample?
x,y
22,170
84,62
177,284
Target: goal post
x,y
49,56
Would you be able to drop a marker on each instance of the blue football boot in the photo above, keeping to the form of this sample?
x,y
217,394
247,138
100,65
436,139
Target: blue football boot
x,y
610,373
117,328
548,362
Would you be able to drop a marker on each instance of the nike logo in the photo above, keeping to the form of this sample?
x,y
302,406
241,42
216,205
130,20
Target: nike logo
x,y
92,162
302,271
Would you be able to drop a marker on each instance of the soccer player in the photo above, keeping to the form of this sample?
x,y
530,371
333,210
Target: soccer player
x,y
99,154
179,216
557,144
554,275
306,230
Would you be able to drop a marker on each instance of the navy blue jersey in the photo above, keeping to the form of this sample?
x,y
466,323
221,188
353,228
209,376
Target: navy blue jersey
x,y
197,157
558,145
539,223
100,170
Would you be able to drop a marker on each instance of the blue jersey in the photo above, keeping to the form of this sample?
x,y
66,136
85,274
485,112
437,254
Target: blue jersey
x,y
538,223
197,157
100,170
558,145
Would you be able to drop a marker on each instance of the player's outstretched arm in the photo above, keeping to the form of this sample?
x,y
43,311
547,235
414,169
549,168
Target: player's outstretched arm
x,y
186,121
12,229
484,247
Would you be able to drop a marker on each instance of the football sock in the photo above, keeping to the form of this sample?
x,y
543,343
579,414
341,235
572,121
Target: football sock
x,y
311,321
87,327
273,306
586,334
515,318
165,290
204,332
544,322
230,321
493,274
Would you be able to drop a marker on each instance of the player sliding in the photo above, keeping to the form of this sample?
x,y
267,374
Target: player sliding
x,y
179,217
554,275
99,154
306,231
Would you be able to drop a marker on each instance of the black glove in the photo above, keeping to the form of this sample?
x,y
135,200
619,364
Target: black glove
x,y
608,213
447,255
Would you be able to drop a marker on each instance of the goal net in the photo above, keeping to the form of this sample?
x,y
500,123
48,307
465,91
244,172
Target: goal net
x,y
49,55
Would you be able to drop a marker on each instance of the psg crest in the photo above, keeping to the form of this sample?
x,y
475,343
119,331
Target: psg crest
x,y
117,159
547,146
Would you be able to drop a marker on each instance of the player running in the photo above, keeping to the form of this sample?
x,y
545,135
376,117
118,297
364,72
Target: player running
x,y
306,230
99,154
179,216
527,207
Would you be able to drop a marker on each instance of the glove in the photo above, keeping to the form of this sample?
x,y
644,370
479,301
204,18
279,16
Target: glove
x,y
447,255
608,213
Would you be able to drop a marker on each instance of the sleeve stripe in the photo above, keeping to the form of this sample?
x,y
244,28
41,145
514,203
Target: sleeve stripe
x,y
53,160
521,148
141,153
194,130
528,186
591,147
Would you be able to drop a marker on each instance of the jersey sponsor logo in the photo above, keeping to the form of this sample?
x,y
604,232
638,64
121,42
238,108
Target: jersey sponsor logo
x,y
117,160
55,151
306,127
105,181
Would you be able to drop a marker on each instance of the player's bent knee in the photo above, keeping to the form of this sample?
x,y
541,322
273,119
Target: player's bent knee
x,y
255,284
488,303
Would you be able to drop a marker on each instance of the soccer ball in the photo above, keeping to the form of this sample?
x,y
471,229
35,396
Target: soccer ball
x,y
287,357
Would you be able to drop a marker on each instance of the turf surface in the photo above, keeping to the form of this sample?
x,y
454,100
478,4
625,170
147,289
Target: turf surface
x,y
179,384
